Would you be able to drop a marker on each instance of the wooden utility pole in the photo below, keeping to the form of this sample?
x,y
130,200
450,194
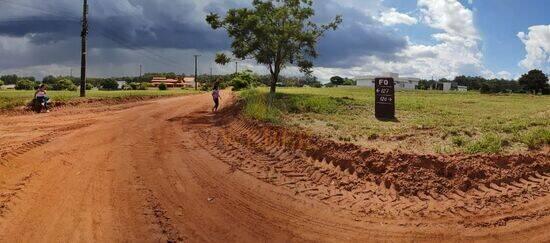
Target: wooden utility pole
x,y
236,67
140,67
196,77
84,35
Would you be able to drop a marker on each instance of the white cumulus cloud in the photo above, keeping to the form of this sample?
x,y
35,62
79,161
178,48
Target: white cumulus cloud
x,y
456,51
537,46
392,17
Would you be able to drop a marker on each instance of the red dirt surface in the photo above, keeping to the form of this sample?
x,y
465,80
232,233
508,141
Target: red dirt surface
x,y
169,170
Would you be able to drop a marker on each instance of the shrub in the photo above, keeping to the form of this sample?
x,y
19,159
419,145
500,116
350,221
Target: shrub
x,y
25,85
1,82
109,84
138,86
485,89
244,80
489,143
89,86
162,86
64,84
536,138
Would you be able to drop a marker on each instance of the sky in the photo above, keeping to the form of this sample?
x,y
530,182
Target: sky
x,y
415,38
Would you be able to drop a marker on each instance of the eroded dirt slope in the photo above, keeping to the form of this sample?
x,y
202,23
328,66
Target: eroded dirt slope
x,y
169,170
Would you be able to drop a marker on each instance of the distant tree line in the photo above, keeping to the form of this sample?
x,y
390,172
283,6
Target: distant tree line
x,y
337,81
535,82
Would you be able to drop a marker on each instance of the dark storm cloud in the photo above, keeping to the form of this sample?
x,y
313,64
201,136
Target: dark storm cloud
x,y
176,24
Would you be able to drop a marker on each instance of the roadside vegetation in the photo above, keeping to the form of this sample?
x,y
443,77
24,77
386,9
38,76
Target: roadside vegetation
x,y
10,99
428,121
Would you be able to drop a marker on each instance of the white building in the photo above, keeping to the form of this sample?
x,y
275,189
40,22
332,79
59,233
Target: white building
x,y
400,82
447,86
120,83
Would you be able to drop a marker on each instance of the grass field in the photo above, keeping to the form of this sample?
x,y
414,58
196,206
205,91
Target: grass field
x,y
428,121
10,99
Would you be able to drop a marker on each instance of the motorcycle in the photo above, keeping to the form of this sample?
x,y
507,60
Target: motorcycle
x,y
39,105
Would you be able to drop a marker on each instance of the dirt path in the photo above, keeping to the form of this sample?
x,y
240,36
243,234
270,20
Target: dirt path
x,y
168,170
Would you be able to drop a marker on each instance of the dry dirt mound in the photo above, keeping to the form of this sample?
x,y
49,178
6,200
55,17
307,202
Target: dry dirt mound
x,y
368,181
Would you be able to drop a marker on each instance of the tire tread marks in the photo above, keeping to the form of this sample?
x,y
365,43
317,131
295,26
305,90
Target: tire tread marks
x,y
254,151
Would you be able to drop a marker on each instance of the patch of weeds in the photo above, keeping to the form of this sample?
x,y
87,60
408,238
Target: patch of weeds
x,y
257,107
489,143
344,138
334,126
442,149
373,136
536,138
459,141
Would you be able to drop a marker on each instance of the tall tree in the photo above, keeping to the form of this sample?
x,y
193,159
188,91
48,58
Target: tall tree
x,y
337,80
534,81
10,79
275,33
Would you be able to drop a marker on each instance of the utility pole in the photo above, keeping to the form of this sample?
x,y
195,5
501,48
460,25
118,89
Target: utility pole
x,y
71,72
140,67
196,77
236,67
84,35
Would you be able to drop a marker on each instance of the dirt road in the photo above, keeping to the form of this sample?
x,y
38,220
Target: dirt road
x,y
169,170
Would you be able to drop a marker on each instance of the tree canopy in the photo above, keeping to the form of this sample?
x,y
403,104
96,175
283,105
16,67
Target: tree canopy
x,y
535,81
275,33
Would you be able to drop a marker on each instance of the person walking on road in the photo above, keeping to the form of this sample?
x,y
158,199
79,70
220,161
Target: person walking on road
x,y
216,96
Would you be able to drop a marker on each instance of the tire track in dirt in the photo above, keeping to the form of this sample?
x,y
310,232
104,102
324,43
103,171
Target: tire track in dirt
x,y
14,151
265,154
8,194
157,214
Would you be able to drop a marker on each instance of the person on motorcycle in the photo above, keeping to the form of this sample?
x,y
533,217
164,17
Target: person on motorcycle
x,y
41,96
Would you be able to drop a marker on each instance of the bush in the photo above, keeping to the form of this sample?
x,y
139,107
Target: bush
x,y
89,86
536,138
139,86
485,89
244,80
162,86
109,84
25,85
1,82
64,84
489,143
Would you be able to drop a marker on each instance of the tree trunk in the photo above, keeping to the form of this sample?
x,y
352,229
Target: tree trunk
x,y
273,86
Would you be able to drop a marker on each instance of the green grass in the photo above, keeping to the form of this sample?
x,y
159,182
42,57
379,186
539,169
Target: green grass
x,y
10,99
428,121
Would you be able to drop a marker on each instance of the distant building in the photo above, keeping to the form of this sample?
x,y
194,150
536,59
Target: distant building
x,y
462,89
447,86
8,86
185,82
120,83
406,83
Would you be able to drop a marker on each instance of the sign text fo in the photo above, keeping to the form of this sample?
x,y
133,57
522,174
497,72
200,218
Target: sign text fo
x,y
385,98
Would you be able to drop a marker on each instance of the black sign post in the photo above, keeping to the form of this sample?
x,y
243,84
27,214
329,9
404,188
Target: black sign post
x,y
385,98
